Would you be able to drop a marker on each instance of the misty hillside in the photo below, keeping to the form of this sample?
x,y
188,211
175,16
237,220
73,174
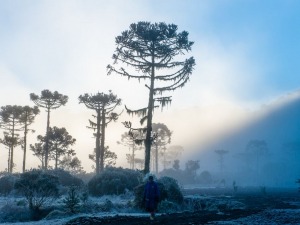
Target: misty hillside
x,y
278,126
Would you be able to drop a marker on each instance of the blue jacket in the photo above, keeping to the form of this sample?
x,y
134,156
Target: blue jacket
x,y
151,195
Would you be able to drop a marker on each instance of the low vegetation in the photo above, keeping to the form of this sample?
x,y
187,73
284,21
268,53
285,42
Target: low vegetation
x,y
114,181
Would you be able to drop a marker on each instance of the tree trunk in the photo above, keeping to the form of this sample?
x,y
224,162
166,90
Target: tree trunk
x,y
8,160
156,159
25,145
103,121
133,150
12,148
56,156
98,142
149,121
47,139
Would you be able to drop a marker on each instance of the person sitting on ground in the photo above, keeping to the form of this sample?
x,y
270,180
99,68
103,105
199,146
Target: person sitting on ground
x,y
151,196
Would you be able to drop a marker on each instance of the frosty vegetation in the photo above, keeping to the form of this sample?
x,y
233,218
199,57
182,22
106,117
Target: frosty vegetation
x,y
40,194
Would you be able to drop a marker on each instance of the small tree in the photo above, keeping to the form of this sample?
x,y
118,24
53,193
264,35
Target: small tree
x,y
128,140
172,153
221,153
150,50
38,187
104,105
39,150
176,164
72,200
191,168
49,101
10,142
10,122
162,137
71,164
60,142
255,150
109,158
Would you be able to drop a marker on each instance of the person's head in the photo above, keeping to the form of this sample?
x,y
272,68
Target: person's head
x,y
150,178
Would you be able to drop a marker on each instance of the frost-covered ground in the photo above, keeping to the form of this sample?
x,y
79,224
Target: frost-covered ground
x,y
13,202
274,209
267,217
66,219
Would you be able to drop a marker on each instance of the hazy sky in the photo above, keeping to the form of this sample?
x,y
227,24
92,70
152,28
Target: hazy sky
x,y
246,52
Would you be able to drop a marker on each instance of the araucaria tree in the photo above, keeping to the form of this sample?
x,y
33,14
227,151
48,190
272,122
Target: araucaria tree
x,y
104,105
38,150
109,157
128,140
26,119
221,153
162,137
60,142
10,122
150,49
49,101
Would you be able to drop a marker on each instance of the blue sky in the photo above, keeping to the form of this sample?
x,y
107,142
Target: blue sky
x,y
246,52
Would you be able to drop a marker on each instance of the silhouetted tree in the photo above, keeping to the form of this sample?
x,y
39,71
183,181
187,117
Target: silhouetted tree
x,y
60,142
150,50
162,137
71,164
10,142
39,150
10,122
109,157
170,154
191,168
140,162
49,101
128,140
26,118
176,165
221,153
103,104
257,149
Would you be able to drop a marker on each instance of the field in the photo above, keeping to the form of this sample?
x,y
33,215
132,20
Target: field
x,y
261,206
221,206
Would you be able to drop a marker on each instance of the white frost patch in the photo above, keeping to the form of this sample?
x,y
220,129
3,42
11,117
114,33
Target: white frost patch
x,y
64,220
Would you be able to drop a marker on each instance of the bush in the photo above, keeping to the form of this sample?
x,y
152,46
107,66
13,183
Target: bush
x,y
114,181
168,189
7,183
172,190
65,178
38,187
205,178
13,213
